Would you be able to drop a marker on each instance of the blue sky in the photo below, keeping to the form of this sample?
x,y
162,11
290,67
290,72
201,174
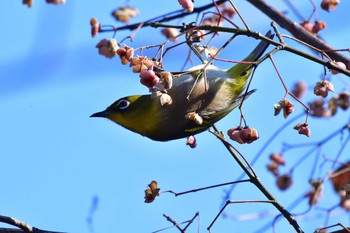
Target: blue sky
x,y
56,160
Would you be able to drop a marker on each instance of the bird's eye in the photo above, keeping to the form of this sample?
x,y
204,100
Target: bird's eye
x,y
123,104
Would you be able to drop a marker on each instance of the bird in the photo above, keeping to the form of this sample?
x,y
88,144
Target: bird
x,y
209,97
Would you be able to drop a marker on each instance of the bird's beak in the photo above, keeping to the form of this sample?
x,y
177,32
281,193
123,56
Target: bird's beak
x,y
100,114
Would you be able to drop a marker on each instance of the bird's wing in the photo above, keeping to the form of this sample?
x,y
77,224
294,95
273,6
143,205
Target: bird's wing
x,y
214,116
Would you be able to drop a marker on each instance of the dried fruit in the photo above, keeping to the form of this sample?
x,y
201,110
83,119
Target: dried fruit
x,y
170,33
125,54
339,181
303,128
326,4
319,109
307,25
299,89
108,48
243,135
278,158
322,88
140,64
124,13
151,192
285,105
284,182
319,25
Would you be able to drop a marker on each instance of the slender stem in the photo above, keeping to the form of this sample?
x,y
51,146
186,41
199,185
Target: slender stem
x,y
261,187
173,222
264,147
208,187
239,15
166,228
190,222
235,202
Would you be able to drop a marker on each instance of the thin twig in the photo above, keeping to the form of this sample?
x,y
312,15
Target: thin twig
x,y
297,30
207,187
228,202
255,180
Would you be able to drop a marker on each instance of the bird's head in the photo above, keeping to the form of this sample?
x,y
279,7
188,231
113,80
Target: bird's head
x,y
136,113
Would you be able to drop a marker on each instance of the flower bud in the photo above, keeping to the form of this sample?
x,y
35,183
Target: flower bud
x,y
170,33
187,5
307,25
95,27
273,167
345,203
167,79
165,99
194,117
340,65
125,54
191,141
277,158
149,78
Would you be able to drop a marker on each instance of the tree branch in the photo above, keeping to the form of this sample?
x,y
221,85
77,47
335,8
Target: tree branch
x,y
23,227
298,31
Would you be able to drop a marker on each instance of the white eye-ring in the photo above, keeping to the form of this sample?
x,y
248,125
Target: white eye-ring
x,y
123,104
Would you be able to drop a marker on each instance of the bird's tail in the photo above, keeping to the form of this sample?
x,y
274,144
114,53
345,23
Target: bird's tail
x,y
242,68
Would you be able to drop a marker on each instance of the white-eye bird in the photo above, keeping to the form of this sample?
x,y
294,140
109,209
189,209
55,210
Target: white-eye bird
x,y
211,96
